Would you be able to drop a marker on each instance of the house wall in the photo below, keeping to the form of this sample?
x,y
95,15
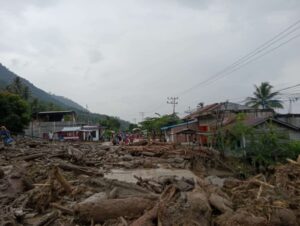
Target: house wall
x,y
39,129
291,119
94,133
294,135
290,133
172,135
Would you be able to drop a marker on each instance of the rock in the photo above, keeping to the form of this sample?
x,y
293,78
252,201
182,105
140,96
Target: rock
x,y
240,218
178,160
199,204
220,203
127,157
148,164
183,185
215,181
284,217
231,183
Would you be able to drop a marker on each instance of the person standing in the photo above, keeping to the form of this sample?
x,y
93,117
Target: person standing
x,y
5,136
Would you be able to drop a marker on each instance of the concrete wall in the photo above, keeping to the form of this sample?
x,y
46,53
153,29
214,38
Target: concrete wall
x,y
294,135
172,136
38,129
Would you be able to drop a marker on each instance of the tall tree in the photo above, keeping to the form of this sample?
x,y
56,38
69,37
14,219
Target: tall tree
x,y
154,125
17,87
264,98
111,123
14,112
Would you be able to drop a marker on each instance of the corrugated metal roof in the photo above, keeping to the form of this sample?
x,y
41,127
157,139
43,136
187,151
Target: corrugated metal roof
x,y
181,124
253,122
211,108
71,129
55,112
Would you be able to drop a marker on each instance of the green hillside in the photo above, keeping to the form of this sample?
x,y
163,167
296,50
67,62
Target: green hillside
x,y
7,77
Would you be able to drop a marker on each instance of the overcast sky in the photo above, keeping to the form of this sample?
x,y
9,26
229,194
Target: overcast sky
x,y
122,57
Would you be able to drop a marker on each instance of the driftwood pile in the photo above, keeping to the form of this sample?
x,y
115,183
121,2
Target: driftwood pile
x,y
258,201
64,184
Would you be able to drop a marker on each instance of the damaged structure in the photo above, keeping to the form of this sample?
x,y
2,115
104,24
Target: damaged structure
x,y
62,125
203,124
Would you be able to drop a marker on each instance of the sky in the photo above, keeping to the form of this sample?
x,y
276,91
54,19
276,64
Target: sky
x,y
125,57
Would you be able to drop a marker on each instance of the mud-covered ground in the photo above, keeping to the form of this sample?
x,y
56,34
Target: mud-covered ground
x,y
45,183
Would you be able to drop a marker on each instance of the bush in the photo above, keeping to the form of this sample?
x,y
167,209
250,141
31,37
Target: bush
x,y
293,149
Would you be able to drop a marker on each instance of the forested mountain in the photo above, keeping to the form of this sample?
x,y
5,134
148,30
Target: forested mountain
x,y
68,102
7,77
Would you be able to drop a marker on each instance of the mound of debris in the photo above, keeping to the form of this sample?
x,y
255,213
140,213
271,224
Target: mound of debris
x,y
64,184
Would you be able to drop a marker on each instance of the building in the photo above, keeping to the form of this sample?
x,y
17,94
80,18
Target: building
x,y
62,125
91,133
293,119
181,133
82,133
50,122
68,133
263,124
205,122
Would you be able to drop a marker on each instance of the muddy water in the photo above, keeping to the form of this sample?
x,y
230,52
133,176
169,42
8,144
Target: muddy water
x,y
128,175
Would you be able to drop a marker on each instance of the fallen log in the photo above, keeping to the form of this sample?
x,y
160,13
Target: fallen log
x,y
61,179
148,218
105,209
48,219
220,203
31,157
78,169
62,208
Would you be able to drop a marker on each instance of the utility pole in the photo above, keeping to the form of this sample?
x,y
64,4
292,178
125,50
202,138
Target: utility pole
x,y
142,114
173,101
188,111
134,120
292,100
88,114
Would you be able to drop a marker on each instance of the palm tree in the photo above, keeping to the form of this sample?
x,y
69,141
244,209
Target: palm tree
x,y
264,98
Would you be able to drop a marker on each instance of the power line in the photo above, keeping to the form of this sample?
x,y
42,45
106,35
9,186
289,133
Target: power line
x,y
290,87
268,43
241,65
249,58
252,53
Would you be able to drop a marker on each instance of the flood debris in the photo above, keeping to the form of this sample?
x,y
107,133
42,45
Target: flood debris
x,y
45,183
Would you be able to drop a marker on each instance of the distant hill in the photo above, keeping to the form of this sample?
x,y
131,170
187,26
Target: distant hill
x,y
68,102
7,77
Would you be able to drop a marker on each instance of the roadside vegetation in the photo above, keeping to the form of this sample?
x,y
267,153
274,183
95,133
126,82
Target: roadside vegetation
x,y
153,125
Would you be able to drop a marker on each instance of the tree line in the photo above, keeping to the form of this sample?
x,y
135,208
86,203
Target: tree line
x,y
18,106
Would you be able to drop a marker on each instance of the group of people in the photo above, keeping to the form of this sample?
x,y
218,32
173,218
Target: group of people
x,y
5,136
122,138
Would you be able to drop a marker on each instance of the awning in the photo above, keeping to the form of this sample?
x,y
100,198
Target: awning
x,y
186,131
